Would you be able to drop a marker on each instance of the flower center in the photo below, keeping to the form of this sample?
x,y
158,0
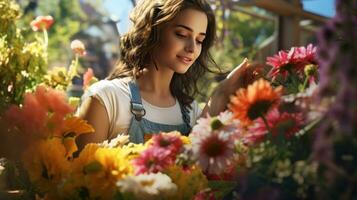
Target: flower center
x,y
258,109
164,143
214,147
288,67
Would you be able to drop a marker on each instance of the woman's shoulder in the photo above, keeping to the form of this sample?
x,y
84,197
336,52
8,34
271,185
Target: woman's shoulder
x,y
111,86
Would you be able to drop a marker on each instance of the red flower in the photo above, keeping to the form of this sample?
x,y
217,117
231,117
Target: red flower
x,y
292,61
169,141
280,123
152,160
279,63
42,22
304,55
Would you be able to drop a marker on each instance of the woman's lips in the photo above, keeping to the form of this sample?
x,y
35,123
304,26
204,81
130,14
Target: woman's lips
x,y
185,59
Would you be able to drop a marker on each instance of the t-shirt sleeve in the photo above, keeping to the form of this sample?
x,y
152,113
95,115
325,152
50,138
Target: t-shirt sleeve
x,y
195,113
103,91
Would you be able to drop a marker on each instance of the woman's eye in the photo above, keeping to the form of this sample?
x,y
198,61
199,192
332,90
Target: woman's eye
x,y
181,35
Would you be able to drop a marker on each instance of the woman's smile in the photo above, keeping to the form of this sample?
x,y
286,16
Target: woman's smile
x,y
184,59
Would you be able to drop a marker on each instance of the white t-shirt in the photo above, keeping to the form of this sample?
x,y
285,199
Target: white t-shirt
x,y
115,96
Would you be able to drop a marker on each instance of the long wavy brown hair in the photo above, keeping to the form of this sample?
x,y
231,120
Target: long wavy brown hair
x,y
147,17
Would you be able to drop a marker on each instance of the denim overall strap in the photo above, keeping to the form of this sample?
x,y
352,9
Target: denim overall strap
x,y
141,129
185,118
136,106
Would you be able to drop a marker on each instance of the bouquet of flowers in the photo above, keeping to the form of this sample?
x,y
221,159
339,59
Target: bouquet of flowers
x,y
271,142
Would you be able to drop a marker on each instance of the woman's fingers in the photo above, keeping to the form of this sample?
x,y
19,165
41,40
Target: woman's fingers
x,y
238,70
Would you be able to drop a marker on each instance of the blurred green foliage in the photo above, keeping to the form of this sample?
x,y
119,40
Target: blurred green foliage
x,y
69,20
22,63
239,36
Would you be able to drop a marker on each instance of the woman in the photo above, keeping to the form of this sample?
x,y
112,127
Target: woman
x,y
152,89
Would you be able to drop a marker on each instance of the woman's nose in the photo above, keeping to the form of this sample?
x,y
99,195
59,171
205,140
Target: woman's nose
x,y
190,46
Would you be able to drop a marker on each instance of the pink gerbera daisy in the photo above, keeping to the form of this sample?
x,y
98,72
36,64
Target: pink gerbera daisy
x,y
152,160
214,151
285,123
304,54
169,141
293,60
280,63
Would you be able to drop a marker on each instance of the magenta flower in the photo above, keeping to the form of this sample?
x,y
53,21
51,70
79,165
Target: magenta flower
x,y
279,63
304,55
168,141
294,60
152,160
279,123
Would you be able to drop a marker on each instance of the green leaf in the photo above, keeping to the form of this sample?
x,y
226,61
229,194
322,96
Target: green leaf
x,y
221,188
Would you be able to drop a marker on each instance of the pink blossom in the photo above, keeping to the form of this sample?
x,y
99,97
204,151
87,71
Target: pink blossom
x,y
169,141
304,55
152,160
87,77
204,195
78,47
279,123
214,151
293,60
279,61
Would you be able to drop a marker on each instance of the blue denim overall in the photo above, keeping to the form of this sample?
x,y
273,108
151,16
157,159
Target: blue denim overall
x,y
140,126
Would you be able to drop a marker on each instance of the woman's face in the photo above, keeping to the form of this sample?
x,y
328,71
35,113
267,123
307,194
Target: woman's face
x,y
181,40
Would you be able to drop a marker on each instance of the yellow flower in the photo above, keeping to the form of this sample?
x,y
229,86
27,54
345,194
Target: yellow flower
x,y
57,78
46,163
132,150
189,182
82,165
98,169
73,127
185,140
114,167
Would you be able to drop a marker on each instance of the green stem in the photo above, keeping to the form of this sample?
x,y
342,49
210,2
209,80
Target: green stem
x,y
270,133
76,61
305,83
45,37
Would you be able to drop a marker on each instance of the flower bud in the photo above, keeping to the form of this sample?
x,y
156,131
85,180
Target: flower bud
x,y
310,70
78,47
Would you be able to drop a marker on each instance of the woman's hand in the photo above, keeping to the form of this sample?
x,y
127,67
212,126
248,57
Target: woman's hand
x,y
243,75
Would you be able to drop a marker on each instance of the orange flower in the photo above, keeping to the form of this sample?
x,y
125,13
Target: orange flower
x,y
87,78
73,127
46,164
255,101
42,113
42,22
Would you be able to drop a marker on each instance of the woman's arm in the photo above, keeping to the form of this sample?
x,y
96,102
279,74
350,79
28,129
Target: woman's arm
x,y
240,77
96,115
